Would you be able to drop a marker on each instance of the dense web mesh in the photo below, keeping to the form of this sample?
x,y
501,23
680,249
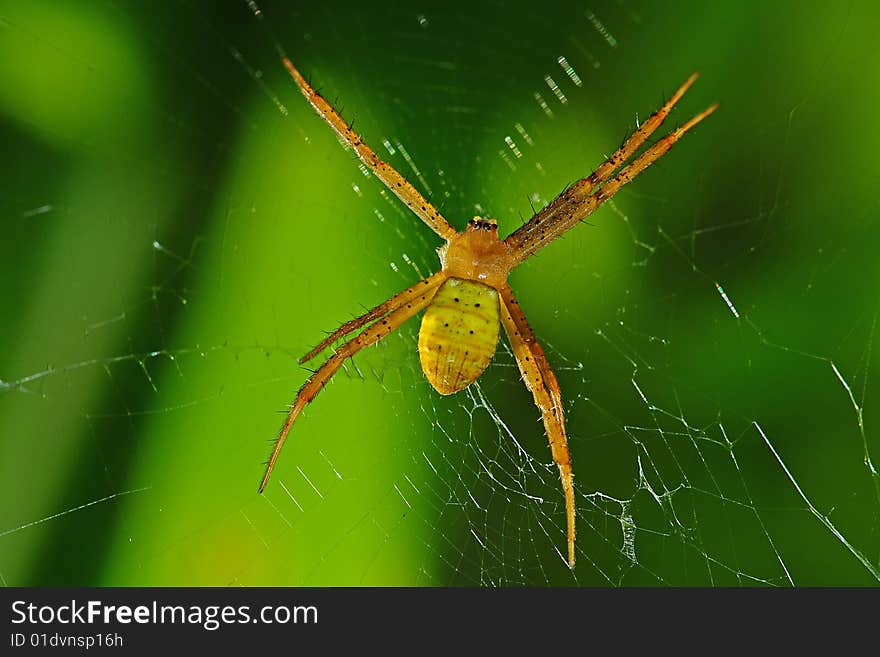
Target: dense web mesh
x,y
711,328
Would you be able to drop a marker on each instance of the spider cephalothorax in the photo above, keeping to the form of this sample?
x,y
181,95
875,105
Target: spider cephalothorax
x,y
477,254
467,300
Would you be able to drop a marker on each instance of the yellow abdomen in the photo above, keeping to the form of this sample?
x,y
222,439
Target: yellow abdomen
x,y
458,335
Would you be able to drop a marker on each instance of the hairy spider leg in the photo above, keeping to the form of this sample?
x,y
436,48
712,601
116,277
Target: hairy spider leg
x,y
573,204
581,210
632,144
586,185
541,382
383,171
322,375
407,296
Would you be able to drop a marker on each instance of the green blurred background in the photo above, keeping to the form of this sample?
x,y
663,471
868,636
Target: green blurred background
x,y
178,227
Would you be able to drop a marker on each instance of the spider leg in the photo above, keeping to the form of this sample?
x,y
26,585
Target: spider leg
x,y
383,171
407,296
636,139
541,381
566,210
322,375
578,211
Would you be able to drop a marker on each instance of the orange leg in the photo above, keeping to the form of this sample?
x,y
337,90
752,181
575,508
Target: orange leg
x,y
408,296
576,202
541,381
383,171
322,375
579,211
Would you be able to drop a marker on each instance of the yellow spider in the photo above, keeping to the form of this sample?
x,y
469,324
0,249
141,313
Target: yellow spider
x,y
469,295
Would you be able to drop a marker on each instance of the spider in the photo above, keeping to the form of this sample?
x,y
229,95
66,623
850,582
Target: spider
x,y
469,297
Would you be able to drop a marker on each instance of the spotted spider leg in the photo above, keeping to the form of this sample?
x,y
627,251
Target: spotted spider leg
x,y
383,171
371,335
579,200
541,382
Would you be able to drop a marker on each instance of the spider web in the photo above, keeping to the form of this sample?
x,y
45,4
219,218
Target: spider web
x,y
712,328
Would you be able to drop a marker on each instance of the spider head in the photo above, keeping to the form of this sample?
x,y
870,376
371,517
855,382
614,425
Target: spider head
x,y
480,224
477,254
